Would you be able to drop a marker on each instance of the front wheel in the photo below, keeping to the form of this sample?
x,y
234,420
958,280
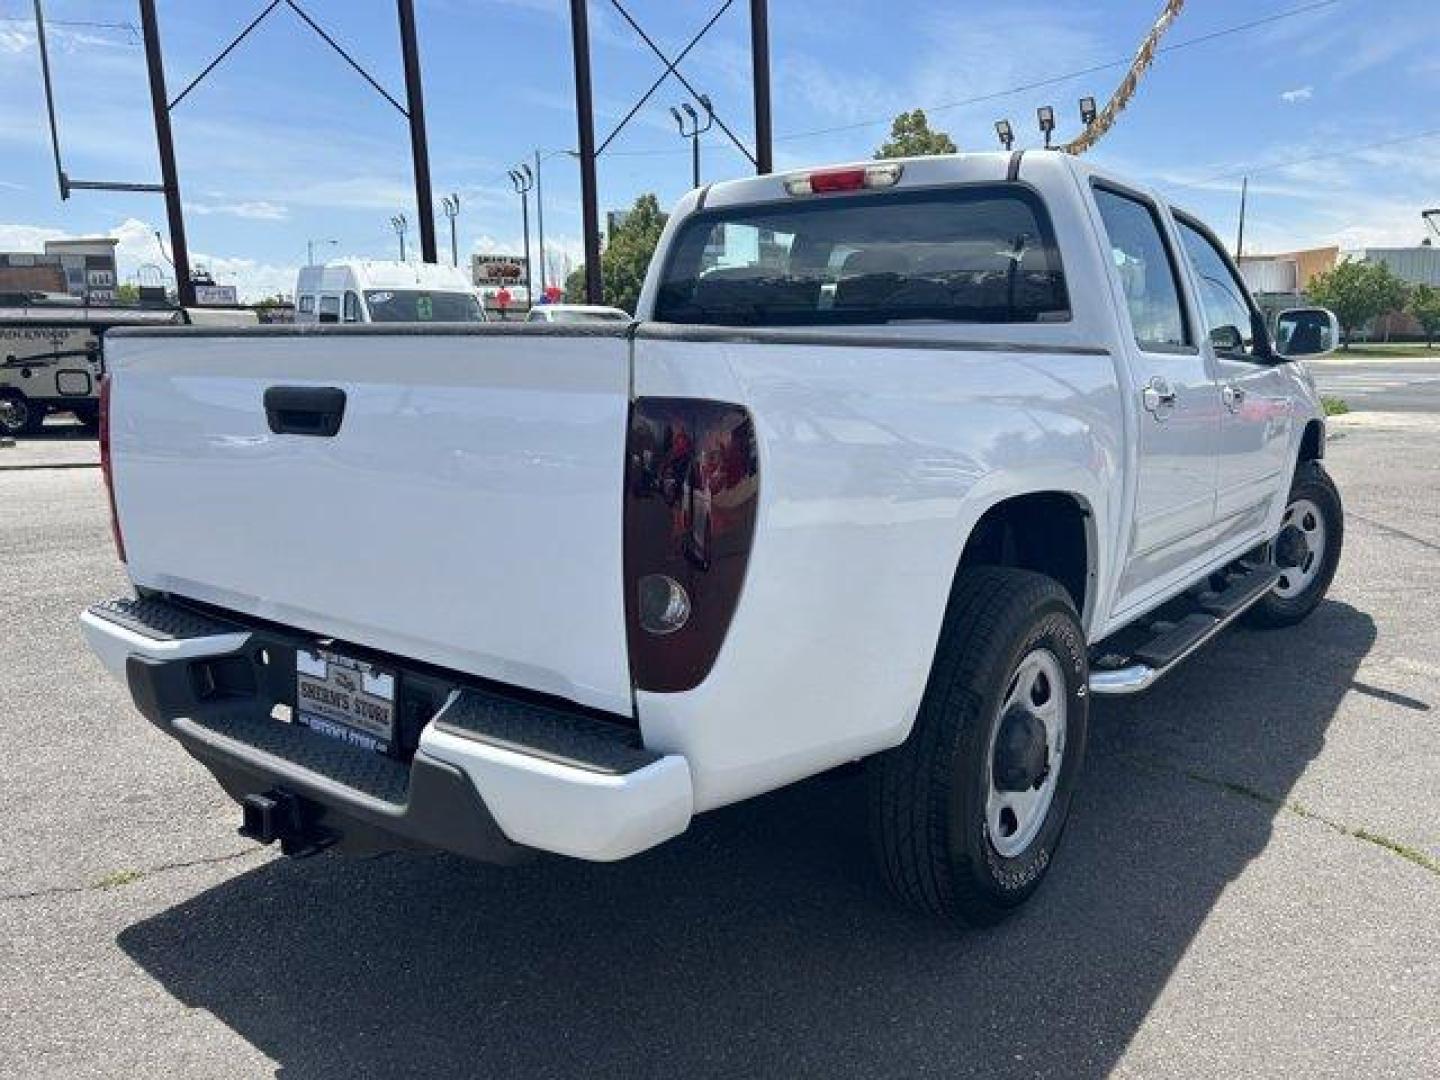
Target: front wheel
x,y
966,815
1307,549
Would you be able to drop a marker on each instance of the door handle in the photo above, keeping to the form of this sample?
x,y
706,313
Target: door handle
x,y
1233,396
1158,397
305,410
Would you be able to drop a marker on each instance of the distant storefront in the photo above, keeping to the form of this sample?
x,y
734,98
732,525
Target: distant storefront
x,y
82,268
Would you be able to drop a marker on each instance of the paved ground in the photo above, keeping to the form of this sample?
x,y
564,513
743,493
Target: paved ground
x,y
1387,384
1250,885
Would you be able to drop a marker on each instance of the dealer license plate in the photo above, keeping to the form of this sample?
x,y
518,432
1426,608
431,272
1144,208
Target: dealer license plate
x,y
348,699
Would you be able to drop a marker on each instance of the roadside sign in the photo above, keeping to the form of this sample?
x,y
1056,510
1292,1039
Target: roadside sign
x,y
498,269
216,295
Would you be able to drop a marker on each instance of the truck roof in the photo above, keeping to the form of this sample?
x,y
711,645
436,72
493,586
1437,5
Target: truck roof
x,y
339,274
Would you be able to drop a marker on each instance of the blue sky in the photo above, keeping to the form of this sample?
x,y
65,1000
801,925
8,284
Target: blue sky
x,y
284,143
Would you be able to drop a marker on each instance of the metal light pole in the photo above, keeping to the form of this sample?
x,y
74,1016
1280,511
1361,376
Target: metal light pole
x,y
400,225
451,206
585,137
694,131
760,77
165,143
540,227
310,250
419,149
524,180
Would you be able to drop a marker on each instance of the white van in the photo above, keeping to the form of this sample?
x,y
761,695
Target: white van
x,y
375,291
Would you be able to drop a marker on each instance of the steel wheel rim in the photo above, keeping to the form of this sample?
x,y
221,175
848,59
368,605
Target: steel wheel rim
x,y
1304,515
1013,819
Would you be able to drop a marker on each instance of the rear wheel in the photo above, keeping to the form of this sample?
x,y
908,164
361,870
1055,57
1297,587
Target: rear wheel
x,y
18,416
1307,549
966,815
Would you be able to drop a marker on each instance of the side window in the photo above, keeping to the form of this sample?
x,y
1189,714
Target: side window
x,y
1228,316
1146,271
352,307
307,304
329,309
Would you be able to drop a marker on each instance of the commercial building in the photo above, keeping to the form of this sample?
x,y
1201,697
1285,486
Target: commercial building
x,y
82,268
1419,265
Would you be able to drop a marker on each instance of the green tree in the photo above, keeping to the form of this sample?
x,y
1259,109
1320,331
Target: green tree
x,y
912,136
127,293
1424,304
1357,292
626,257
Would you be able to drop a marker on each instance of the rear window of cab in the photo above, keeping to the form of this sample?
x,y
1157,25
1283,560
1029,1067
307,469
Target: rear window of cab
x,y
971,254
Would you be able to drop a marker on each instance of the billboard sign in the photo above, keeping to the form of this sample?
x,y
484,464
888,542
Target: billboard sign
x,y
498,270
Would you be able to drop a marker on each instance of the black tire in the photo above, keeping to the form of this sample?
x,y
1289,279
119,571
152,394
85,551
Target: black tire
x,y
1311,483
19,415
927,796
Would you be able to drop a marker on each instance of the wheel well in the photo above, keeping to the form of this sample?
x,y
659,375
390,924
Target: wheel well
x,y
1312,443
1044,531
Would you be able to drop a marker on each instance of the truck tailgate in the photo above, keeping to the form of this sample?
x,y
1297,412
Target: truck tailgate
x,y
466,513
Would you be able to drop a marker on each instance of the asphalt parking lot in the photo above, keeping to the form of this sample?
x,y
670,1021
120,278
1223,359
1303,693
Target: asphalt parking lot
x,y
1250,885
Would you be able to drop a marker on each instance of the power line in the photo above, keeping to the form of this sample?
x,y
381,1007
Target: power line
x,y
1053,80
1324,155
1038,84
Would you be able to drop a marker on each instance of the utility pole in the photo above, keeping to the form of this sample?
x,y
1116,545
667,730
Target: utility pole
x,y
540,227
760,77
585,123
419,150
165,143
400,225
1240,237
450,204
524,180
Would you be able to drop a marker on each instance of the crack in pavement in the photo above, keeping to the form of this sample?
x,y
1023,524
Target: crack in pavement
x,y
1299,809
1391,530
120,878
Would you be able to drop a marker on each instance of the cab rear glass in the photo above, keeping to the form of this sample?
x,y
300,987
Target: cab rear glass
x,y
973,254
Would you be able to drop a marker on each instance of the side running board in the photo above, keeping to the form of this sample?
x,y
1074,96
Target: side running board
x,y
1138,662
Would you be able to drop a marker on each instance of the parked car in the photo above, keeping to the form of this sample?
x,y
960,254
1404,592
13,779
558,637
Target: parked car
x,y
375,291
567,313
901,463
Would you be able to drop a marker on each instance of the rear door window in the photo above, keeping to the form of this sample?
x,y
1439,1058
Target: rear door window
x,y
1146,270
977,254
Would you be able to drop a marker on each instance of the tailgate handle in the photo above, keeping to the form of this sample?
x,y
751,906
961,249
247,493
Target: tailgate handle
x,y
305,410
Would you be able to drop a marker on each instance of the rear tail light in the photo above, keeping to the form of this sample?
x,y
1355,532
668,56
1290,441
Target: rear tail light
x,y
859,178
105,468
692,480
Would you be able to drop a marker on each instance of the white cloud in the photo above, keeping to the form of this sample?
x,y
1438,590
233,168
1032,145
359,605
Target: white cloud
x,y
257,210
1300,93
139,247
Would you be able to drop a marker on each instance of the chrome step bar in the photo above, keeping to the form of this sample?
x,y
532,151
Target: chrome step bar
x,y
1137,677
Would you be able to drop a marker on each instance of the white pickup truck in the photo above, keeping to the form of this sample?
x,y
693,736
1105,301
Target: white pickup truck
x,y
899,463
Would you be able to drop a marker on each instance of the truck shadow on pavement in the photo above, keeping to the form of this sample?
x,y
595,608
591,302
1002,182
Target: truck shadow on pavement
x,y
760,944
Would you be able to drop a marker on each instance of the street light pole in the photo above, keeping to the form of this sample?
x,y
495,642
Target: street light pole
x,y
400,225
450,204
540,227
310,250
694,131
524,180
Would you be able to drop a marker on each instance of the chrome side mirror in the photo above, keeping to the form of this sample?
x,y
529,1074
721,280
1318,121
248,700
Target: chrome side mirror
x,y
1306,332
